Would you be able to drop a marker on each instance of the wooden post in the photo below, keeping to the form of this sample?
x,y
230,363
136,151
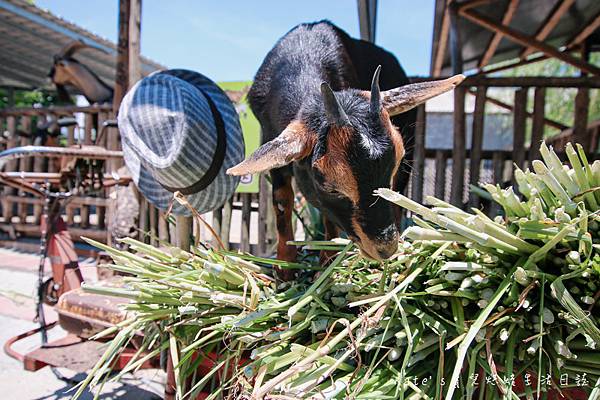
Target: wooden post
x,y
537,127
263,210
122,75
7,206
440,174
458,148
477,141
419,156
455,39
498,168
226,222
184,230
582,102
246,215
519,125
135,25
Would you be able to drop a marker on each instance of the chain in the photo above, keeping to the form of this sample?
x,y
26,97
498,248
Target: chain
x,y
40,317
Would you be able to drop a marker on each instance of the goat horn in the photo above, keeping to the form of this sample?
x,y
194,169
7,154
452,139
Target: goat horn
x,y
333,109
404,98
76,45
375,92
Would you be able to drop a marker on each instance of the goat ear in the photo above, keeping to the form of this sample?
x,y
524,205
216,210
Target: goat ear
x,y
404,98
294,143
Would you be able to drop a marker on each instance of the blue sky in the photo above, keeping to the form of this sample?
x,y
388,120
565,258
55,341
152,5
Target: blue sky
x,y
227,39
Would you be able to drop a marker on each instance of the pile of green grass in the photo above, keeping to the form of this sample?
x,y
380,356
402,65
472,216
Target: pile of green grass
x,y
467,307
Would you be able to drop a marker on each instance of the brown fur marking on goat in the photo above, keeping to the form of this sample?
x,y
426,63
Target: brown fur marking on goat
x,y
334,164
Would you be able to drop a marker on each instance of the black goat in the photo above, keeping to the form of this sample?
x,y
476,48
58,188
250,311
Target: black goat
x,y
321,110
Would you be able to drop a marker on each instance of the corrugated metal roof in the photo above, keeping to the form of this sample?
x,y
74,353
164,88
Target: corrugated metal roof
x,y
529,17
30,37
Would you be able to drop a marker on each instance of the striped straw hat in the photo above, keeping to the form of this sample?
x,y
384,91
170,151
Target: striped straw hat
x,y
180,132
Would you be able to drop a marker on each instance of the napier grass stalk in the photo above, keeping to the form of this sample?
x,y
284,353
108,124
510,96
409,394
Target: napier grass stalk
x,y
412,328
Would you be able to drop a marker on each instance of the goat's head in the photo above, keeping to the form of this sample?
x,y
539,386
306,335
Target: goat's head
x,y
350,147
64,68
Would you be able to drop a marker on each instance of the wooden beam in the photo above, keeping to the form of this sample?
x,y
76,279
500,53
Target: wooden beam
x,y
455,40
586,31
549,24
524,40
135,64
497,37
122,73
533,81
418,171
438,58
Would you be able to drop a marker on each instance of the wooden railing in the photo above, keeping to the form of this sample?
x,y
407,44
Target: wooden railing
x,y
454,170
20,127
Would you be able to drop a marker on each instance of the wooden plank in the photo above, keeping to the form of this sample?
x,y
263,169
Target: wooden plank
x,y
440,174
89,201
511,8
498,172
70,210
226,222
549,24
519,126
442,43
57,110
184,232
76,233
163,228
547,121
418,171
135,24
587,30
477,142
581,134
458,148
87,129
263,210
455,39
537,127
245,227
524,40
7,206
217,219
84,215
26,165
153,223
143,220
122,70
592,82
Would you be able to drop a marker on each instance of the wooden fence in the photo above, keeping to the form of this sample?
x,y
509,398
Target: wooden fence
x,y
464,166
246,221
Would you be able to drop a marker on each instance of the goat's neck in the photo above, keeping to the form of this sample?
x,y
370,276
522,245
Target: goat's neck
x,y
91,87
